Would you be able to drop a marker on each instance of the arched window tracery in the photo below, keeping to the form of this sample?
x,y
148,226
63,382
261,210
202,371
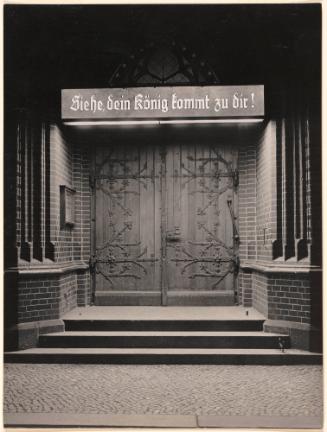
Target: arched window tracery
x,y
163,63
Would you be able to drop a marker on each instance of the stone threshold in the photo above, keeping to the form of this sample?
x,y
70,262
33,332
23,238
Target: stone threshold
x,y
15,420
157,313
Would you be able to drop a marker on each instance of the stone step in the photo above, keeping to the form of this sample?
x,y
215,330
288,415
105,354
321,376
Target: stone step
x,y
163,325
174,298
169,339
163,356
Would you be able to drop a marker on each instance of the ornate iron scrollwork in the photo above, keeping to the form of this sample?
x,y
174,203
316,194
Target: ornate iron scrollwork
x,y
214,177
213,258
120,265
216,266
115,258
139,176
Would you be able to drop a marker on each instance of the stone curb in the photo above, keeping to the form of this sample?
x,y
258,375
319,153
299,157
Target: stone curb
x,y
166,421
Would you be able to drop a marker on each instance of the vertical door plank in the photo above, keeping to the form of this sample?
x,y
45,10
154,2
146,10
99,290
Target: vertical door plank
x,y
150,195
170,210
178,216
185,215
157,216
192,196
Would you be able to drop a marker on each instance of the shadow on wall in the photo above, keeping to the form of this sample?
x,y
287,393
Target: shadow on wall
x,y
10,311
316,312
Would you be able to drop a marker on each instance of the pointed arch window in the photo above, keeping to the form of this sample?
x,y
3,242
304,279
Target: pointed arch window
x,y
164,63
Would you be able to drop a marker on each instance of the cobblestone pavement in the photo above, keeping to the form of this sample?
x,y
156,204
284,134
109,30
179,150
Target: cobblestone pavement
x,y
164,389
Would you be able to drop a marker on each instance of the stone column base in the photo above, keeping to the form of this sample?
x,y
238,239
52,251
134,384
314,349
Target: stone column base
x,y
26,335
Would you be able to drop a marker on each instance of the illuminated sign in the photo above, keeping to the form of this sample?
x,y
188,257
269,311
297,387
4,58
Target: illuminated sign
x,y
135,103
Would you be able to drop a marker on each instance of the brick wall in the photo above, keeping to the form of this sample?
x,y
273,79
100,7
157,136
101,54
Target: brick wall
x,y
260,292
83,288
247,200
38,300
47,297
314,192
277,296
70,165
245,288
247,216
82,227
266,193
81,183
283,296
68,293
288,296
61,173
50,294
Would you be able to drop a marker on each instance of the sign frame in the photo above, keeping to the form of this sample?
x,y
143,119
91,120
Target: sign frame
x,y
159,103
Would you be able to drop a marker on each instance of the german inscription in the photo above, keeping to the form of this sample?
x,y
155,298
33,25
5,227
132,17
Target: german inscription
x,y
163,102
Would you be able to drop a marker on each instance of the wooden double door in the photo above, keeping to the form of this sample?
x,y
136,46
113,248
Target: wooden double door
x,y
165,223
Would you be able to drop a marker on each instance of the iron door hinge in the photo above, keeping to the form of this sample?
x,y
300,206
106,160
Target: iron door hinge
x,y
92,181
235,178
236,235
236,261
92,263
